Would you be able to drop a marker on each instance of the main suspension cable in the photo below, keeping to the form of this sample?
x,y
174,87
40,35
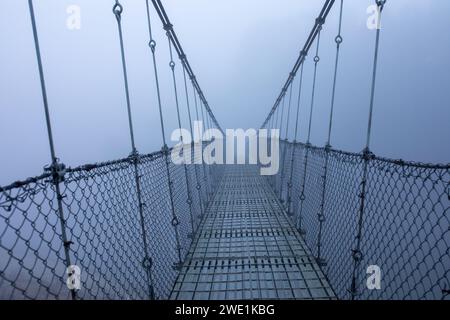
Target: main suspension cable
x,y
303,53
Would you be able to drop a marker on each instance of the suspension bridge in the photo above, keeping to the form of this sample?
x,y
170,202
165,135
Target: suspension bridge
x,y
142,227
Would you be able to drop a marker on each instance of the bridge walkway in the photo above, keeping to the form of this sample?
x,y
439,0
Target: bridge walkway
x,y
247,248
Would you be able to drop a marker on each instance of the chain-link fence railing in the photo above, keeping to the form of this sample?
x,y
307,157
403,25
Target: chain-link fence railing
x,y
403,225
103,228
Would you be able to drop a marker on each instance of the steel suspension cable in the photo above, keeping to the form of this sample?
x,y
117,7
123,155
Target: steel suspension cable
x,y
175,222
279,182
207,136
308,141
192,140
201,147
367,156
303,53
276,115
134,156
186,175
321,216
286,143
56,168
289,197
178,48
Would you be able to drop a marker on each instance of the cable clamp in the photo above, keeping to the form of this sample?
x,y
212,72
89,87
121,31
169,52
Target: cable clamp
x,y
147,263
357,255
320,21
165,150
67,244
57,170
175,221
367,154
321,217
168,27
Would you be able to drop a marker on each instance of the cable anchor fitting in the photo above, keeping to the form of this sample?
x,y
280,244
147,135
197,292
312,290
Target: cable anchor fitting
x,y
152,45
57,170
118,10
367,154
380,4
147,263
165,150
357,255
175,221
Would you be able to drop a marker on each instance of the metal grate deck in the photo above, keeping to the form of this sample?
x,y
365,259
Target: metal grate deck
x,y
246,248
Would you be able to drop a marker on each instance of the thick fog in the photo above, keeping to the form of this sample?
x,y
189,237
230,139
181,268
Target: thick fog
x,y
242,52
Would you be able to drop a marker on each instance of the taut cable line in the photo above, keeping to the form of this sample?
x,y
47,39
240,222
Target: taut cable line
x,y
186,175
175,221
192,141
303,53
56,169
297,119
111,220
367,157
321,215
285,140
308,143
179,49
134,156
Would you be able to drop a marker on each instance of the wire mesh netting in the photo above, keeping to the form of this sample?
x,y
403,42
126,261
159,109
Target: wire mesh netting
x,y
404,222
103,228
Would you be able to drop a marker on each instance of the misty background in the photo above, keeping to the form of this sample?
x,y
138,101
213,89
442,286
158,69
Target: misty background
x,y
242,52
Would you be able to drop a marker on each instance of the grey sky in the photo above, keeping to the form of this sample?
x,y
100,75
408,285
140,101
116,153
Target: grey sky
x,y
241,52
